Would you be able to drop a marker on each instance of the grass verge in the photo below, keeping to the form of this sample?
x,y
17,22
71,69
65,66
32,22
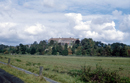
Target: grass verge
x,y
27,78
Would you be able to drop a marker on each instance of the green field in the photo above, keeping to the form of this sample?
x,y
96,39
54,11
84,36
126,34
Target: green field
x,y
57,67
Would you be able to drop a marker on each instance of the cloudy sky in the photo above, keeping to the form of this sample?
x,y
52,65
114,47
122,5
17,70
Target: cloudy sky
x,y
26,21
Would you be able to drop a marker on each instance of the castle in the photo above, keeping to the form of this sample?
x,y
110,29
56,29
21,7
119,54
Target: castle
x,y
63,41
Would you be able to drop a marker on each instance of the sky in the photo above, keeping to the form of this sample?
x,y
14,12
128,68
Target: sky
x,y
26,21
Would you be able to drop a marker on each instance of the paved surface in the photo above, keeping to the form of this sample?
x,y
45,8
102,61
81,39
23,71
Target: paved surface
x,y
28,72
8,78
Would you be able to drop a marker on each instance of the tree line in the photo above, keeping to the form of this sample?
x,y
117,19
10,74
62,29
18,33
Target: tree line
x,y
85,47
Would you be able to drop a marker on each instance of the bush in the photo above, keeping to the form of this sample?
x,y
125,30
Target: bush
x,y
6,52
18,60
28,64
99,75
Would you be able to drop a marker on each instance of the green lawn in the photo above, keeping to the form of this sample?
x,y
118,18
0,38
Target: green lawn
x,y
57,67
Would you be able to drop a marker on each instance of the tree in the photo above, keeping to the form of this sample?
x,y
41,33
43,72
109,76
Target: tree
x,y
73,49
124,52
116,49
66,46
6,52
43,42
41,47
77,42
17,49
12,49
65,51
33,51
22,48
52,42
35,43
54,52
108,51
79,51
1,50
88,45
128,52
59,48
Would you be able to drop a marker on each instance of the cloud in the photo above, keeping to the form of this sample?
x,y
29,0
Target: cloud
x,y
7,29
117,13
119,4
7,24
125,24
76,19
9,33
12,35
36,29
27,21
48,3
101,29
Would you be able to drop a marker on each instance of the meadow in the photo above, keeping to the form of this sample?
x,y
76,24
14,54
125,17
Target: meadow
x,y
59,67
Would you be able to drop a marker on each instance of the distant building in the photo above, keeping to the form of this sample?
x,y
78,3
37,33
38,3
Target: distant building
x,y
63,41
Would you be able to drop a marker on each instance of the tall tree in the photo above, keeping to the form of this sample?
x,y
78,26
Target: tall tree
x,y
54,52
108,51
22,48
77,42
35,43
79,50
33,50
124,51
41,47
52,42
116,49
59,48
17,49
73,49
88,45
65,51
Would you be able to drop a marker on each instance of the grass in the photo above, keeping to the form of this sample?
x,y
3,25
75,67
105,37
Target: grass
x,y
58,67
27,78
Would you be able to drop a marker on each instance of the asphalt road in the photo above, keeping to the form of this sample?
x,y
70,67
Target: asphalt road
x,y
8,78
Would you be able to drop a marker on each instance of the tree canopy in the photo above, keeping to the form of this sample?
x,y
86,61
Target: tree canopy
x,y
85,47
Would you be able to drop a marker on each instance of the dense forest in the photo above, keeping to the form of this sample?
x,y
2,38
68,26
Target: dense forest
x,y
85,47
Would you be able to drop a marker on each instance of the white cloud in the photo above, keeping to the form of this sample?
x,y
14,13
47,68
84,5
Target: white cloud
x,y
125,24
7,29
7,25
117,13
98,29
36,29
77,23
34,20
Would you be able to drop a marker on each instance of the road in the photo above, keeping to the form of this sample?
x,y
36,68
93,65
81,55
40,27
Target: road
x,y
8,78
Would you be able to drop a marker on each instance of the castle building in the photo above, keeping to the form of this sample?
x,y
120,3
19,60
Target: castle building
x,y
63,41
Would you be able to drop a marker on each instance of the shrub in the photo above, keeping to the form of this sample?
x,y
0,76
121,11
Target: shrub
x,y
28,64
18,60
6,52
1,57
36,64
99,75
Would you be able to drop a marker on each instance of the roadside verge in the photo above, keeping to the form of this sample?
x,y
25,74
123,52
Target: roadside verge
x,y
28,72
